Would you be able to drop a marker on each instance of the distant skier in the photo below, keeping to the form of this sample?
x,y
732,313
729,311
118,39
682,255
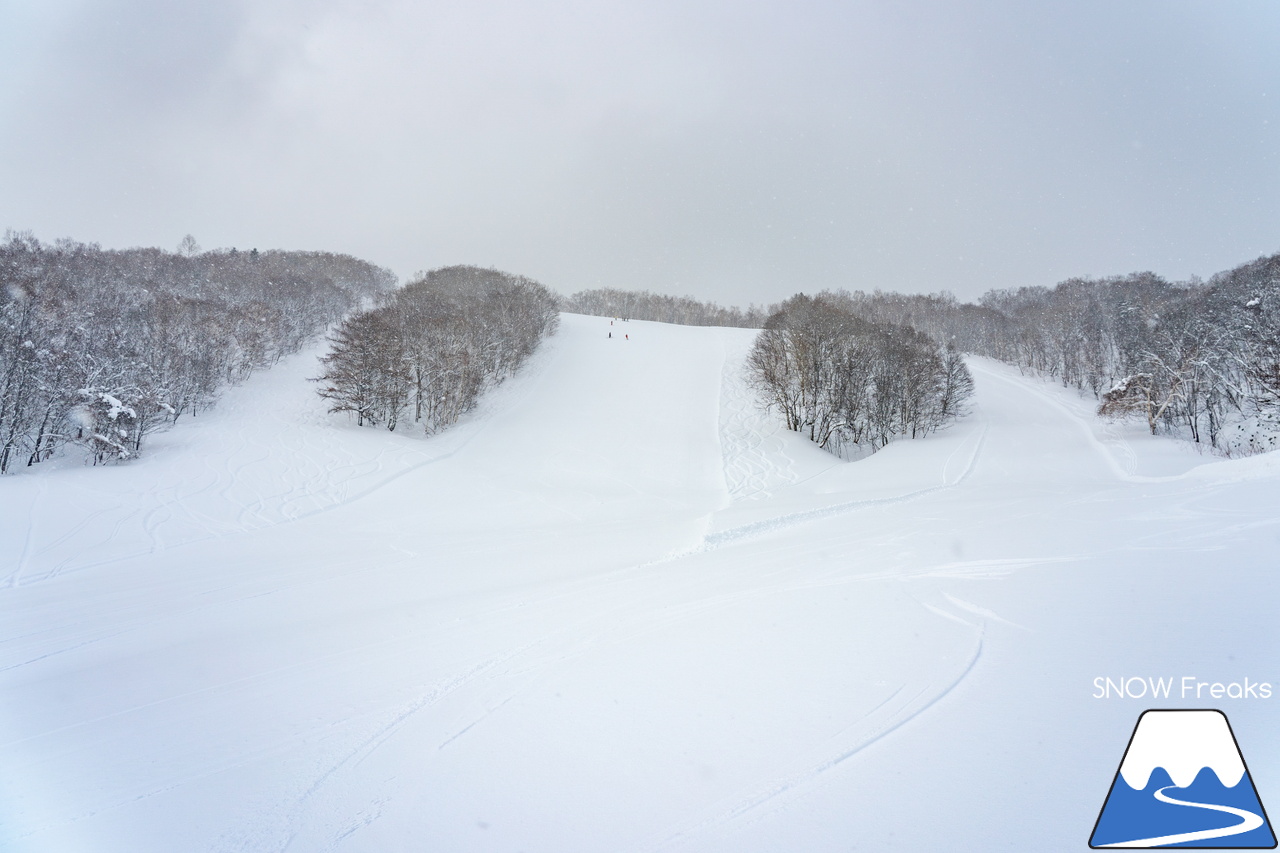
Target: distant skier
x,y
611,334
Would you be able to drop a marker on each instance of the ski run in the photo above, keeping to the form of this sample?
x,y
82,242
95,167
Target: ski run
x,y
617,608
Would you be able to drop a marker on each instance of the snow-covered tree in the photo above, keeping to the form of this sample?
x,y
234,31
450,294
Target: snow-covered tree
x,y
161,333
432,349
847,381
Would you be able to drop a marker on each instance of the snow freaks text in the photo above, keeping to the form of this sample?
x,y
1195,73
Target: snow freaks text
x,y
1186,687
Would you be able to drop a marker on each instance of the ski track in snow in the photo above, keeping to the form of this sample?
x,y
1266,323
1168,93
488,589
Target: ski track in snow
x,y
20,567
745,463
751,472
380,736
750,466
791,520
1105,452
324,491
777,795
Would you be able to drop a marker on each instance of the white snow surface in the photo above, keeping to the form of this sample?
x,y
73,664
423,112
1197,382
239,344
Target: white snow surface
x,y
1183,743
616,609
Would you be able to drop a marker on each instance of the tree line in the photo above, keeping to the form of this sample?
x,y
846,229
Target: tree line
x,y
100,348
850,382
681,310
430,349
848,369
1196,359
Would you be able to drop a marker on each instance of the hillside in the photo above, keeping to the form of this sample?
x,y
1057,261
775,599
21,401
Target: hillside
x,y
616,608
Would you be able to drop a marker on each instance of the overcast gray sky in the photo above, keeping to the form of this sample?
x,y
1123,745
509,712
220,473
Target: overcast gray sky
x,y
739,151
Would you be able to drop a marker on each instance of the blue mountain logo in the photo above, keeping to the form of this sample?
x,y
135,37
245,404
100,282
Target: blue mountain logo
x,y
1183,783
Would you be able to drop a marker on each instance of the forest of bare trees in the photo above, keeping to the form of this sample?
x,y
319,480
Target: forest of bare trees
x,y
99,348
848,382
428,352
643,305
1194,359
1198,360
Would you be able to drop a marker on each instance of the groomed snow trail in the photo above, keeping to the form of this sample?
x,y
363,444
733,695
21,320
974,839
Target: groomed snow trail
x,y
618,608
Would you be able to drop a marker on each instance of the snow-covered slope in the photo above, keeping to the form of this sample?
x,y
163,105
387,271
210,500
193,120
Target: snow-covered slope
x,y
616,609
